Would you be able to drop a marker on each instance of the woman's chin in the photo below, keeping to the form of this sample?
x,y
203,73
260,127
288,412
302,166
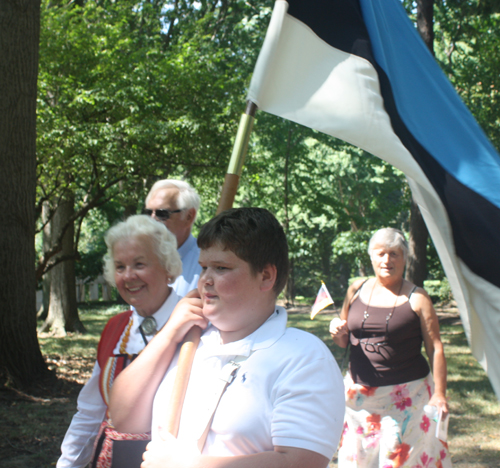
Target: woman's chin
x,y
388,274
134,302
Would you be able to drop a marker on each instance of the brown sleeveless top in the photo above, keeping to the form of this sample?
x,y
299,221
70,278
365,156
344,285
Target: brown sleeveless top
x,y
385,352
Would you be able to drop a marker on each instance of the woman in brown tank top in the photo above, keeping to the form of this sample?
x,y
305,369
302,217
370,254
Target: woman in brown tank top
x,y
385,320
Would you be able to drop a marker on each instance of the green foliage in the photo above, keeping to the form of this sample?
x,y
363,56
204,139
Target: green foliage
x,y
439,290
468,48
92,246
115,104
130,92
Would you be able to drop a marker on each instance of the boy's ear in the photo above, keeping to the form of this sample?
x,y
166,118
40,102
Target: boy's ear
x,y
268,277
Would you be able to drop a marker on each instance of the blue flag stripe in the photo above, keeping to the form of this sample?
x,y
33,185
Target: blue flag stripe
x,y
422,90
464,168
469,196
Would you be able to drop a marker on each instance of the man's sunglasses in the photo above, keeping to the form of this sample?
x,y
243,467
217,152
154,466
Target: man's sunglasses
x,y
162,215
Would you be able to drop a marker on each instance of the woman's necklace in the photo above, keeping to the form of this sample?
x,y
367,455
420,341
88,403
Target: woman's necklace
x,y
123,344
389,316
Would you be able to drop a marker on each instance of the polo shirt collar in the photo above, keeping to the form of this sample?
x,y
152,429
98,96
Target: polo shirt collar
x,y
264,337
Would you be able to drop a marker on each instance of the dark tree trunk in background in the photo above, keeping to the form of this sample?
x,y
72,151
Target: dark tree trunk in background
x,y
43,312
21,361
289,291
425,22
416,268
63,312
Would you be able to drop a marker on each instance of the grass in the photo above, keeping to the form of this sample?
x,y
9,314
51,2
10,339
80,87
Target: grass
x,y
474,427
32,428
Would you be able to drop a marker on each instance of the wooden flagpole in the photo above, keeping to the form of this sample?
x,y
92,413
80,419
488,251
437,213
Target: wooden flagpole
x,y
237,160
226,200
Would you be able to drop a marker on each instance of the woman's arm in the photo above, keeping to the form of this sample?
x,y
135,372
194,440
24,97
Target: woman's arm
x,y
338,328
339,332
135,387
422,305
78,443
171,454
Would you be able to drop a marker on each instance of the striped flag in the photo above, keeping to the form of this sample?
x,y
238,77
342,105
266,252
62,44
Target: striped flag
x,y
323,299
358,70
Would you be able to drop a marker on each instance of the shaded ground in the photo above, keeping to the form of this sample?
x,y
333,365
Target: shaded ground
x,y
32,427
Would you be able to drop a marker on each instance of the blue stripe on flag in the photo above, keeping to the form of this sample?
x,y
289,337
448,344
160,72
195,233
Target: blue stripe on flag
x,y
441,134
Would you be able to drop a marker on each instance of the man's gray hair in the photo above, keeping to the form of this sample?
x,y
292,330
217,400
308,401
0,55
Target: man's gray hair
x,y
188,197
388,237
139,226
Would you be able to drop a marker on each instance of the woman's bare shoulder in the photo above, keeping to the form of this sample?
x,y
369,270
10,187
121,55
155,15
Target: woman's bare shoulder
x,y
357,284
420,300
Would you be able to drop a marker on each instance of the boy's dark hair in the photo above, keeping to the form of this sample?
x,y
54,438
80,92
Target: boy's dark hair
x,y
254,235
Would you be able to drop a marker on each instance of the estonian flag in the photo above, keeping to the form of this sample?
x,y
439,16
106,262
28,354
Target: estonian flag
x,y
323,299
358,70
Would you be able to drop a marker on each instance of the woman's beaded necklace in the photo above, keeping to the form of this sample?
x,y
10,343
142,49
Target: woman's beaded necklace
x,y
389,316
123,344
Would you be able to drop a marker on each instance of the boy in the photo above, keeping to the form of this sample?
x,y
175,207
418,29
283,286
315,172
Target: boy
x,y
285,407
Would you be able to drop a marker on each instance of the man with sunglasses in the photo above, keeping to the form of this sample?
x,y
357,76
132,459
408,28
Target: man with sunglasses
x,y
175,204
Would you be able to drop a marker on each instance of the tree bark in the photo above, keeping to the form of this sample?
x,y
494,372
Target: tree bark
x,y
44,309
63,312
289,291
21,360
425,22
416,267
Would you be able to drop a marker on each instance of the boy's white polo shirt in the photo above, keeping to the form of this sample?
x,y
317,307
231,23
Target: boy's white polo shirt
x,y
287,392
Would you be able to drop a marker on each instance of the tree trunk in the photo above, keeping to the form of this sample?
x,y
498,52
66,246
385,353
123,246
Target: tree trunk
x,y
425,22
289,291
63,312
416,268
21,361
44,309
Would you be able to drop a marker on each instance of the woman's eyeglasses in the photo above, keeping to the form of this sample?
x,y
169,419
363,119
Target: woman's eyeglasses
x,y
370,346
162,215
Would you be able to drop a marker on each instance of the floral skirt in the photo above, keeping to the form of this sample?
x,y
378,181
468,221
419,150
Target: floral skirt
x,y
386,427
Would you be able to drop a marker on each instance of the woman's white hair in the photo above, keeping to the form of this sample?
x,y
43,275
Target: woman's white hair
x,y
388,237
163,241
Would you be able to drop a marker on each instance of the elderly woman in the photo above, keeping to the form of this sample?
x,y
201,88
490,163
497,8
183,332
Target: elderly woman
x,y
141,261
385,319
283,406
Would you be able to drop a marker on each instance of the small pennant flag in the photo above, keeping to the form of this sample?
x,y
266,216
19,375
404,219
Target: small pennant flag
x,y
323,299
